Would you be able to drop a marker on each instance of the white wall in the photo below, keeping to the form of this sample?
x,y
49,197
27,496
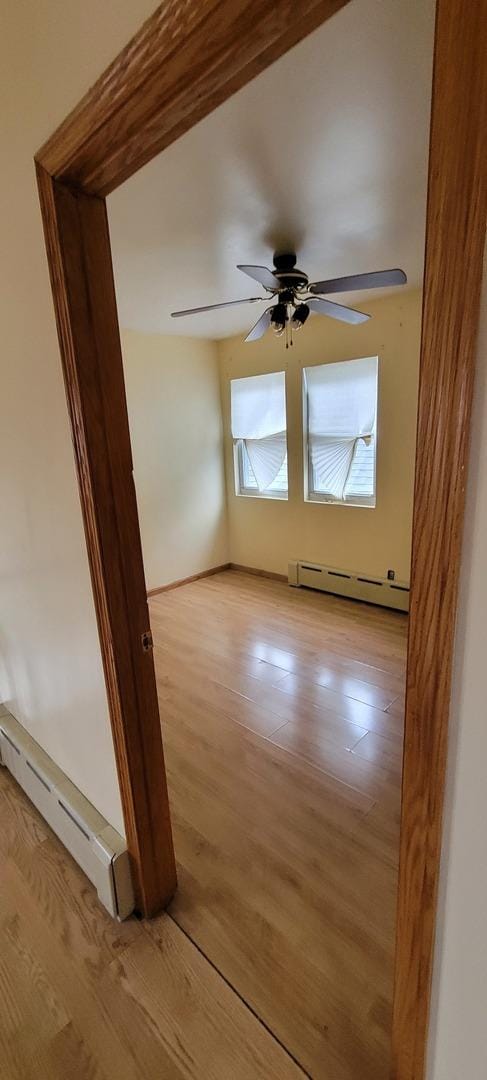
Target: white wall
x,y
458,1036
173,397
50,52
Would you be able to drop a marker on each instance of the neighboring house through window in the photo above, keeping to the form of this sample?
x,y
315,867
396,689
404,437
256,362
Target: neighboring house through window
x,y
258,416
340,409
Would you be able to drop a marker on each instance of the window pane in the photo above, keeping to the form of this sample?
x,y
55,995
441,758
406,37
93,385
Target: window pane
x,y
360,481
317,484
248,478
248,481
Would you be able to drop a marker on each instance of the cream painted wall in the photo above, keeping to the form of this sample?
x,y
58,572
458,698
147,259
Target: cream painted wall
x,y
266,533
50,52
173,397
457,1036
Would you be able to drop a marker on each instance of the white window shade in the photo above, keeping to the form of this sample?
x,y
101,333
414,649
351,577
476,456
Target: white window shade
x,y
258,408
342,403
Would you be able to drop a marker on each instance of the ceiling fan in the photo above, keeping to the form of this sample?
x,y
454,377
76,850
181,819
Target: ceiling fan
x,y
290,288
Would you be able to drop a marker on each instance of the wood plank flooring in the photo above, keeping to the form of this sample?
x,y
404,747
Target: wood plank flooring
x,y
282,720
85,998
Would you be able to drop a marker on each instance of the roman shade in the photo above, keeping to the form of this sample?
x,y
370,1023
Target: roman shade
x,y
342,403
258,411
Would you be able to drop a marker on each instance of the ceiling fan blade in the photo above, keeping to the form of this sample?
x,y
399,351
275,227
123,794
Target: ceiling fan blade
x,y
262,275
213,307
336,311
261,326
378,279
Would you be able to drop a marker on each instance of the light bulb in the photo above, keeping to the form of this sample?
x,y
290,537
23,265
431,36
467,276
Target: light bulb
x,y
279,318
299,316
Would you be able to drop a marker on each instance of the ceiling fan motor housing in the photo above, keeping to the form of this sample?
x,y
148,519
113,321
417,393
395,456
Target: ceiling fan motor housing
x,y
287,273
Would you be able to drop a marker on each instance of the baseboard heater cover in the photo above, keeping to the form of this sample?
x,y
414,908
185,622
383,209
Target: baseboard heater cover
x,y
357,586
95,845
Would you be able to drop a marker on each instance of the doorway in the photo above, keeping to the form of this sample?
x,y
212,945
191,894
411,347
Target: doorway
x,y
79,253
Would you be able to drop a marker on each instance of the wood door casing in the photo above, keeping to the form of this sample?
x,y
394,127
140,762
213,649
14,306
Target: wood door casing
x,y
455,237
172,74
79,258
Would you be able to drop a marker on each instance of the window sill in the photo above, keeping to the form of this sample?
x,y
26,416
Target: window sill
x,y
276,496
322,501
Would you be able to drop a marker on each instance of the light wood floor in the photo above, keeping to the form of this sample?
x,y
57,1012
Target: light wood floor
x,y
282,725
282,722
85,998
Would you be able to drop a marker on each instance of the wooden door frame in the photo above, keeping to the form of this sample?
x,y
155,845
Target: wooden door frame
x,y
187,59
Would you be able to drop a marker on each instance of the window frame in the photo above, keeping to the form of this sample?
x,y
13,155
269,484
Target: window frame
x,y
312,496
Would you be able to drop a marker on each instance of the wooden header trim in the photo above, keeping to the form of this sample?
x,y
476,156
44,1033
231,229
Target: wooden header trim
x,y
189,57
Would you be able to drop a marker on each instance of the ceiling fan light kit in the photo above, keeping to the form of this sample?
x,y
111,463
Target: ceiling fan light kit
x,y
279,317
296,297
299,316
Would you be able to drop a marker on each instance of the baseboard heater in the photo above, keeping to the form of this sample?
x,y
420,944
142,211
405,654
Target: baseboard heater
x,y
97,847
374,590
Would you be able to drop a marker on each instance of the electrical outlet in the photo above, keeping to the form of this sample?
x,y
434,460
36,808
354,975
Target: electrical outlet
x,y
391,575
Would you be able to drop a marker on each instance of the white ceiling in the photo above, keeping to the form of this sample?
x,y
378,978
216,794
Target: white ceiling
x,y
325,153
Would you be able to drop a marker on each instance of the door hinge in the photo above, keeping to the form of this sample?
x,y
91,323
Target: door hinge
x,y
147,642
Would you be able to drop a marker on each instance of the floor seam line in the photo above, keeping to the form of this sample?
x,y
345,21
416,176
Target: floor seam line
x,y
241,998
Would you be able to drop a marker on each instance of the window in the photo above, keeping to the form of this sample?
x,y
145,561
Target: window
x,y
340,424
258,409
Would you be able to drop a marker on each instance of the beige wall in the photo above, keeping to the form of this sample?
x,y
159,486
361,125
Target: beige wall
x,y
173,397
50,53
457,1035
266,533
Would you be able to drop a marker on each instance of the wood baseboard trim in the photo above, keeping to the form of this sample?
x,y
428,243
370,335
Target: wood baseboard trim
x,y
188,580
257,573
